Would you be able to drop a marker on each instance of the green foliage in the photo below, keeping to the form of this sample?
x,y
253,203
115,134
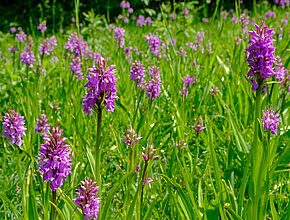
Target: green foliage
x,y
208,179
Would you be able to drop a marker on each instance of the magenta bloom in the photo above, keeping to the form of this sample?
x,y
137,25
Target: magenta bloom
x,y
153,86
182,52
234,19
140,21
41,126
270,120
131,138
214,91
87,199
130,10
126,20
54,159
76,67
76,45
101,88
48,45
148,21
148,153
199,125
187,81
42,26
154,44
146,181
244,21
27,58
12,30
260,55
21,36
13,125
137,73
185,11
119,37
173,16
13,50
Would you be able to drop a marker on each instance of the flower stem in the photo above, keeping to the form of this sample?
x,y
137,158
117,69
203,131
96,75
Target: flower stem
x,y
256,156
98,147
143,185
53,210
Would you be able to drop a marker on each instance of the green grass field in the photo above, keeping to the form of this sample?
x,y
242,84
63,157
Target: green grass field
x,y
213,177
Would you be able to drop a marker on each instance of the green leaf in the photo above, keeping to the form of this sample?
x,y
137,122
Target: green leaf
x,y
109,197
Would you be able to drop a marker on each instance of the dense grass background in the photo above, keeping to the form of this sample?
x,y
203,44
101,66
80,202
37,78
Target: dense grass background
x,y
205,180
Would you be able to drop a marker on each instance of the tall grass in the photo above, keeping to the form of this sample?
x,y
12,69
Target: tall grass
x,y
211,178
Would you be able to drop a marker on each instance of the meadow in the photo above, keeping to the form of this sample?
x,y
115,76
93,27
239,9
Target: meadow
x,y
172,113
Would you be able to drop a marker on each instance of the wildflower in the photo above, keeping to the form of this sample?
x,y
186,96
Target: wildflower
x,y
130,10
48,45
12,30
21,36
234,19
280,33
119,17
224,15
148,21
76,45
27,58
137,168
41,126
199,125
154,44
42,26
76,67
13,50
131,137
182,52
153,86
260,55
125,4
205,20
127,50
87,199
181,144
137,73
122,4
101,87
73,20
146,181
284,21
270,120
270,14
111,27
13,125
140,20
126,20
136,50
54,159
119,37
244,21
185,11
214,91
173,16
238,41
148,153
187,81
